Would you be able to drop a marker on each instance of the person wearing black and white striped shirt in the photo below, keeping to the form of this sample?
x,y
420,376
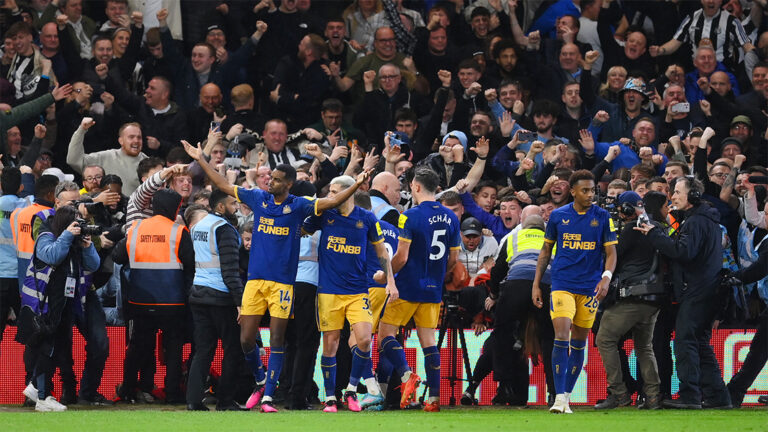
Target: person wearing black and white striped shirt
x,y
724,31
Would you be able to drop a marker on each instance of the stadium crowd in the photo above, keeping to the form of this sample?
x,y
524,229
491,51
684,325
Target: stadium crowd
x,y
112,215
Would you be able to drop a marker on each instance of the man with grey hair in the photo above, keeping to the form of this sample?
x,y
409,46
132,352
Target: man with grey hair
x,y
343,291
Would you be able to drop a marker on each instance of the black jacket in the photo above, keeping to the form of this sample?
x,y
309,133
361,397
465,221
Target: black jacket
x,y
634,254
695,252
758,269
228,245
169,127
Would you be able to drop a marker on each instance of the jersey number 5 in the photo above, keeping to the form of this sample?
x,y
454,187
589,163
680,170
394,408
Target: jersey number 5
x,y
437,243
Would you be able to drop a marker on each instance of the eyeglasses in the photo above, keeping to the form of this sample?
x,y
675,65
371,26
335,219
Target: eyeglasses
x,y
93,178
44,158
719,175
388,77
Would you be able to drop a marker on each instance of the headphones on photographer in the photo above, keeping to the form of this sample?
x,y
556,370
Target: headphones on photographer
x,y
694,196
627,209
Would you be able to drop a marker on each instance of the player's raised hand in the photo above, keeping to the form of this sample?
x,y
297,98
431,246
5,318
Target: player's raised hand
x,y
363,176
194,152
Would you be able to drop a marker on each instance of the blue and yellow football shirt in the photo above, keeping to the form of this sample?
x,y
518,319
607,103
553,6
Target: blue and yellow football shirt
x,y
343,249
391,233
433,232
274,254
579,263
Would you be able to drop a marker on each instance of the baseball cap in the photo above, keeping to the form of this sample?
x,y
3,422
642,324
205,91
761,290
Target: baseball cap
x,y
471,226
213,27
59,174
729,141
741,119
631,198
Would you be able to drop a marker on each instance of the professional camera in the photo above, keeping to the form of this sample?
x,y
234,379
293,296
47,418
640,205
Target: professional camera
x,y
608,203
86,229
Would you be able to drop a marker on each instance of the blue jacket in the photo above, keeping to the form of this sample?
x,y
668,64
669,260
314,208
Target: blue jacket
x,y
493,223
694,94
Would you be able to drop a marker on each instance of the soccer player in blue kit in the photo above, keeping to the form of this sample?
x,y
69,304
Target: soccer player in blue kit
x,y
429,246
342,291
272,265
580,274
377,299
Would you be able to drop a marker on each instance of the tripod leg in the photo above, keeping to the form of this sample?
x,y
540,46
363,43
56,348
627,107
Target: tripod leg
x,y
465,355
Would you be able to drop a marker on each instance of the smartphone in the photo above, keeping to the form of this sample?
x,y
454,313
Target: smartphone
x,y
215,125
527,136
682,107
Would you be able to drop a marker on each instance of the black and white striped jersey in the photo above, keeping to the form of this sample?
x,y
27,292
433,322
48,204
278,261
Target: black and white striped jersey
x,y
724,30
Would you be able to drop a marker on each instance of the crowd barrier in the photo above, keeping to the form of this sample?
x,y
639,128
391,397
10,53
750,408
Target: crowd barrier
x,y
731,347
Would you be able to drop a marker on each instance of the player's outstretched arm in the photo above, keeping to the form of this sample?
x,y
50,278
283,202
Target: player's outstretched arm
x,y
541,266
218,180
601,290
386,267
329,203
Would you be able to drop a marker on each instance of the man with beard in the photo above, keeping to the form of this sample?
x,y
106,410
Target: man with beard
x,y
215,299
545,113
122,162
638,150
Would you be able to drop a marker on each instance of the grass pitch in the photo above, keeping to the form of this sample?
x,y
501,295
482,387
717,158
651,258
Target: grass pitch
x,y
486,419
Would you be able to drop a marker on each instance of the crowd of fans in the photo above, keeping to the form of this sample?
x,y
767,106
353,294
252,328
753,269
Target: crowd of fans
x,y
503,99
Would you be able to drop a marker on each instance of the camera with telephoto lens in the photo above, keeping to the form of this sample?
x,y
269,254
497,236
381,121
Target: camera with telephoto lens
x,y
86,229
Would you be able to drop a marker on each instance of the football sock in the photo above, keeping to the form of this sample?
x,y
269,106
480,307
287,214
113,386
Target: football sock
x,y
360,362
328,367
273,370
383,369
559,364
396,355
254,361
432,365
575,363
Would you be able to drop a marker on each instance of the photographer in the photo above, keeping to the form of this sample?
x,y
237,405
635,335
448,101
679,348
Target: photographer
x,y
636,290
696,259
63,257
